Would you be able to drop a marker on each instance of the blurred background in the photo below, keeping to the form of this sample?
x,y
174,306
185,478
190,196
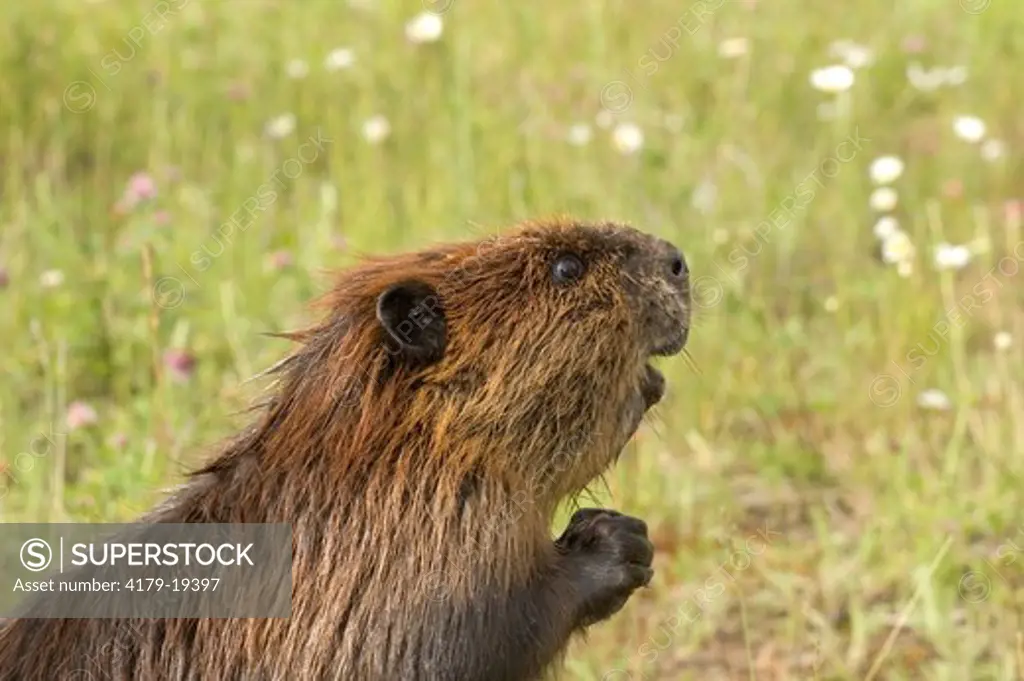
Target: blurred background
x,y
833,485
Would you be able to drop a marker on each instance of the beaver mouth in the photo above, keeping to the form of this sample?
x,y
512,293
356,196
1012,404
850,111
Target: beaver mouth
x,y
652,388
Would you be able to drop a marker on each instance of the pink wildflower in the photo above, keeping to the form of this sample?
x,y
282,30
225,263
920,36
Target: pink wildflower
x,y
80,415
179,364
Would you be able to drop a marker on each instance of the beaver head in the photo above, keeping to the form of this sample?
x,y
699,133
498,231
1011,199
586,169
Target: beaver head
x,y
442,390
499,360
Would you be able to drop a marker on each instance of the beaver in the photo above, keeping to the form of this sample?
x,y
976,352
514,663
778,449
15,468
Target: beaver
x,y
419,440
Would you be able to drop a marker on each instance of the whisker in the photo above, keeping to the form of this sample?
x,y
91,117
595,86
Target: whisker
x,y
691,363
589,493
656,424
275,368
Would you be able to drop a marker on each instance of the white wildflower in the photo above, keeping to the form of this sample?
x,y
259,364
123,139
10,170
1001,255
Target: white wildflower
x,y
297,68
969,128
424,28
924,80
627,138
705,197
579,135
928,80
955,75
837,78
733,47
604,119
51,278
993,149
376,129
1002,340
886,227
858,56
897,248
831,304
854,55
340,58
886,169
950,257
933,399
883,199
281,126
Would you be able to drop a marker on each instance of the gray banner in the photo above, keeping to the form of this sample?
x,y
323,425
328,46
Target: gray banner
x,y
146,571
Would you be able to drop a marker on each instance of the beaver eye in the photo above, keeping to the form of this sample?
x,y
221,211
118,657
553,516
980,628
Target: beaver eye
x,y
567,268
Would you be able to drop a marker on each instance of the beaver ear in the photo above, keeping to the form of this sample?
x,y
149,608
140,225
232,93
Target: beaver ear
x,y
414,322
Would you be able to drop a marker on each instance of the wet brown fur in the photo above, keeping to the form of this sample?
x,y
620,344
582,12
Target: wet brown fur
x,y
421,493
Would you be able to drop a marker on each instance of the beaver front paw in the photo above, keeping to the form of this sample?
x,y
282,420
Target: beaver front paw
x,y
607,556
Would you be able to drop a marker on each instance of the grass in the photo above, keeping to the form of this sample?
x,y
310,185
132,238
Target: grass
x,y
893,531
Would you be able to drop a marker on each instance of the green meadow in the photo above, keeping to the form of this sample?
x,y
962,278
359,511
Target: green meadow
x,y
834,479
